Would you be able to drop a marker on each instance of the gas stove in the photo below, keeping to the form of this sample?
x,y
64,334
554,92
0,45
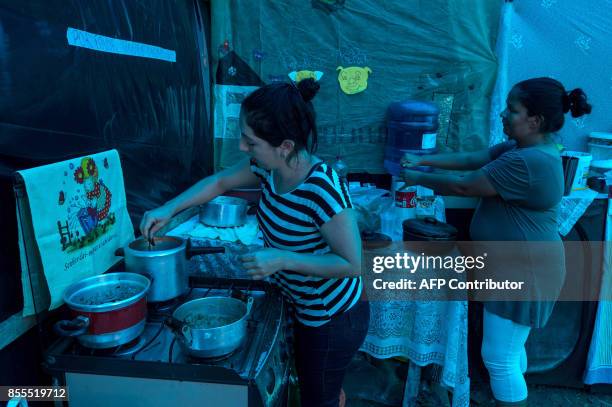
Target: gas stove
x,y
153,370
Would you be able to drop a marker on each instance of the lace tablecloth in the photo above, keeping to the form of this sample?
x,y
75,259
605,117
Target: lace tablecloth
x,y
572,207
424,332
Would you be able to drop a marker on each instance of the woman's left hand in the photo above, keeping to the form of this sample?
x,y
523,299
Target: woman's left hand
x,y
264,262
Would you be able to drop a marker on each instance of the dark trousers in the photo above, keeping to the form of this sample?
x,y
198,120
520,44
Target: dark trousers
x,y
322,354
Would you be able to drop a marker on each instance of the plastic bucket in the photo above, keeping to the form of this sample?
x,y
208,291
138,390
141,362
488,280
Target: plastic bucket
x,y
582,169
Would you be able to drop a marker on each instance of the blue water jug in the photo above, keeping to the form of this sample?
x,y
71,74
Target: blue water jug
x,y
411,128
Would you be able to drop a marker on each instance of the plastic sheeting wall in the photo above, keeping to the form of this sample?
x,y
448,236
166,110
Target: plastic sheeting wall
x,y
564,39
431,50
59,100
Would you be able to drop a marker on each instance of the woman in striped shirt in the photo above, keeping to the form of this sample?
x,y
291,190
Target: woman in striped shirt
x,y
312,245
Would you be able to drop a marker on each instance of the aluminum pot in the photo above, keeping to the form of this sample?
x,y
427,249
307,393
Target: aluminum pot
x,y
166,264
211,327
224,211
109,309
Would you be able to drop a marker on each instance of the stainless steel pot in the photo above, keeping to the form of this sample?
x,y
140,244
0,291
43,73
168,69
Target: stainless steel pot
x,y
211,327
224,211
109,309
166,263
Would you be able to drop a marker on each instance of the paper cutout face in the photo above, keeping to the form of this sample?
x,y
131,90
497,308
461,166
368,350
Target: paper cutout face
x,y
300,75
353,79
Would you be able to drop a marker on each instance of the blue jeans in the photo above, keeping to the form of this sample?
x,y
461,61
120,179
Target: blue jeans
x,y
322,354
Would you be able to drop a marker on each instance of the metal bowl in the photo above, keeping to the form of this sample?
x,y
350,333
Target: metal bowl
x,y
224,212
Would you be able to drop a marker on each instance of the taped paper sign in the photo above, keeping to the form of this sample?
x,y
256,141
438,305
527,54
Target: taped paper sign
x,y
96,42
297,76
226,112
353,79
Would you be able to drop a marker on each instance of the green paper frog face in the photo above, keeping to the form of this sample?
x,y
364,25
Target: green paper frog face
x,y
353,79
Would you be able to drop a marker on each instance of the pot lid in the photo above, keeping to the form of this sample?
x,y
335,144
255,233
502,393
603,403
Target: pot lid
x,y
430,228
372,240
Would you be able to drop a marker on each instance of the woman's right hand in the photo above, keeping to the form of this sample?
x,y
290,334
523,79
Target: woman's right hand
x,y
411,160
154,220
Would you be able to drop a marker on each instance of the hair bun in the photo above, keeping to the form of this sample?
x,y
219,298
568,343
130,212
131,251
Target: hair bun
x,y
308,88
576,102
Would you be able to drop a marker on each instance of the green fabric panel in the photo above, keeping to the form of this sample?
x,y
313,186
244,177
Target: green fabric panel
x,y
440,50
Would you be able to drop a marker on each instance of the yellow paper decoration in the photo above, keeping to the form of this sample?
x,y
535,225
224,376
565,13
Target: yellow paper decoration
x,y
299,75
353,79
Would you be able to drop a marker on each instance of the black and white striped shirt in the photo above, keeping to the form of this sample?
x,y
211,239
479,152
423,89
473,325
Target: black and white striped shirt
x,y
291,221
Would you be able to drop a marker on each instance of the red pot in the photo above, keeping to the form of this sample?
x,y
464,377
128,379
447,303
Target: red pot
x,y
109,310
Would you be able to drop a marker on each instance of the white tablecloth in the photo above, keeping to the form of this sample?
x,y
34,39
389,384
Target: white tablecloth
x,y
424,332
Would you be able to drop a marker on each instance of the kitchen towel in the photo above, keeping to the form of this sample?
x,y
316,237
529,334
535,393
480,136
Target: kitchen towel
x,y
78,217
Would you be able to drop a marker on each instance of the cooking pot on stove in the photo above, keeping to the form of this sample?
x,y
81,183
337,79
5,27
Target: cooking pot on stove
x,y
109,309
165,263
224,211
211,327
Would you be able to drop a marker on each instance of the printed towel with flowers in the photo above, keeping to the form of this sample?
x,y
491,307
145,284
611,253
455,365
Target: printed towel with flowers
x,y
78,216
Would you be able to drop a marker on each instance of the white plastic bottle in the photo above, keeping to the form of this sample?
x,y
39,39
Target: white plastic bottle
x,y
341,168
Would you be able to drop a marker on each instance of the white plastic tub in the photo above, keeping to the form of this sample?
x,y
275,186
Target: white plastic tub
x,y
600,145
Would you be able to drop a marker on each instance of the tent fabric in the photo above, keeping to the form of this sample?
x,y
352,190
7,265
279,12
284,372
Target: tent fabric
x,y
60,100
564,39
568,41
442,51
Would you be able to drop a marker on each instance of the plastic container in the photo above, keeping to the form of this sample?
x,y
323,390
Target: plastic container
x,y
600,167
425,207
412,127
403,196
341,168
600,145
388,222
569,173
582,169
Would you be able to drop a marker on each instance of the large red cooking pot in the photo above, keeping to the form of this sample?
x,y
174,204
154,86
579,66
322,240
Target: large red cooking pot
x,y
109,309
